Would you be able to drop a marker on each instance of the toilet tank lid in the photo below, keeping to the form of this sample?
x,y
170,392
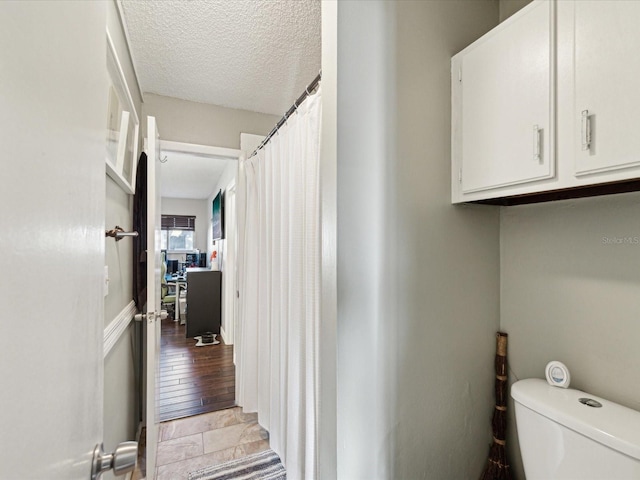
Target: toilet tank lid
x,y
612,425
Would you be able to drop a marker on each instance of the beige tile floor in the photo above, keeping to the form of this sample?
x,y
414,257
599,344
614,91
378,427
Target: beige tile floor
x,y
192,443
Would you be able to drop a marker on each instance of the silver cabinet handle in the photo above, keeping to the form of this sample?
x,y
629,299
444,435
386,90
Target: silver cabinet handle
x,y
586,130
536,143
121,461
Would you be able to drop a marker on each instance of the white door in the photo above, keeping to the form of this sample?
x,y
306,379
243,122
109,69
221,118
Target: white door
x,y
53,98
153,317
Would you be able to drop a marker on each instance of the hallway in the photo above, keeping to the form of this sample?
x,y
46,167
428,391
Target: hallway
x,y
193,380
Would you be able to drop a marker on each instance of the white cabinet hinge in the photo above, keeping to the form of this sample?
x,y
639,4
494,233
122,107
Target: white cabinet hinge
x,y
460,74
460,175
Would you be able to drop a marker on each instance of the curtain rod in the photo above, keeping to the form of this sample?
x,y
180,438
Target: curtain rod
x,y
307,92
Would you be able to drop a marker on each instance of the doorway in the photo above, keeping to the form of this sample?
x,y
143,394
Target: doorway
x,y
192,379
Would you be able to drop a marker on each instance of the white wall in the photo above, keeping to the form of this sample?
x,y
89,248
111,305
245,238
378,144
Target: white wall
x,y
202,124
196,207
418,279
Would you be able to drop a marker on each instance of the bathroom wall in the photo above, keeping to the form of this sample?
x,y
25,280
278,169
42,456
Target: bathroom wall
x,y
570,277
417,278
569,291
202,124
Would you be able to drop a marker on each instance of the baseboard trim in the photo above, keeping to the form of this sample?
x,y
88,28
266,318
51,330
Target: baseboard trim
x,y
118,326
223,334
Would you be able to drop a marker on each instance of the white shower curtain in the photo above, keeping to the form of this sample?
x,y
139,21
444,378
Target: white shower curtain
x,y
278,202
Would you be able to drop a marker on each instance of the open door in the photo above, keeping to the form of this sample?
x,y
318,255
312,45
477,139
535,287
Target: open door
x,y
52,203
154,314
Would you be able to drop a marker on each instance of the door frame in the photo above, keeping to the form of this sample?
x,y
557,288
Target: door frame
x,y
206,150
181,147
231,255
152,316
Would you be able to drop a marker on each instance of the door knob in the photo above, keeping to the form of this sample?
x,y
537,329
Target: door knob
x,y
138,317
122,460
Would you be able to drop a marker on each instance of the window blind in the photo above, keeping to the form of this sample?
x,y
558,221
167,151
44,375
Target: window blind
x,y
178,222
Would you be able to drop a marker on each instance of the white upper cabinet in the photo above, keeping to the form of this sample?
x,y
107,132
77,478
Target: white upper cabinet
x,y
607,88
549,101
505,87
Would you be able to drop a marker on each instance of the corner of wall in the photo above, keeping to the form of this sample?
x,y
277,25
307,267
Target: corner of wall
x,y
509,7
418,278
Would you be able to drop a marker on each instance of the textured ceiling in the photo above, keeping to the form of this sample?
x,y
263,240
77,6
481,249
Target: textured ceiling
x,y
187,175
255,55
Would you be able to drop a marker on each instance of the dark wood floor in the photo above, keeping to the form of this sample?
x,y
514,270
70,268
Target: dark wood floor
x,y
193,380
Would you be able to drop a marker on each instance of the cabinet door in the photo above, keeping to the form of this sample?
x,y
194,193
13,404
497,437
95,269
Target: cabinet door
x,y
203,302
607,93
508,105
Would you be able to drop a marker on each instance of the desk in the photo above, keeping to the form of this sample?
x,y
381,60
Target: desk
x,y
204,297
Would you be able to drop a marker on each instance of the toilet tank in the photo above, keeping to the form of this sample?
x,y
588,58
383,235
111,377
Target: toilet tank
x,y
563,434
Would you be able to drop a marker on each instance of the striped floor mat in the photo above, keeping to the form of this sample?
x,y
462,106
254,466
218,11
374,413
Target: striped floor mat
x,y
260,466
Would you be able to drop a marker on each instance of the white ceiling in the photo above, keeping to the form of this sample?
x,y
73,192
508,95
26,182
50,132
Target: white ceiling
x,y
256,55
188,175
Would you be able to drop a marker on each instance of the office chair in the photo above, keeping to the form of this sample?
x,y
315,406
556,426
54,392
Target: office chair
x,y
169,291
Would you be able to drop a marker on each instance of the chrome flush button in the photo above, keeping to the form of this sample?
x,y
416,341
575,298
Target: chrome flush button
x,y
590,402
